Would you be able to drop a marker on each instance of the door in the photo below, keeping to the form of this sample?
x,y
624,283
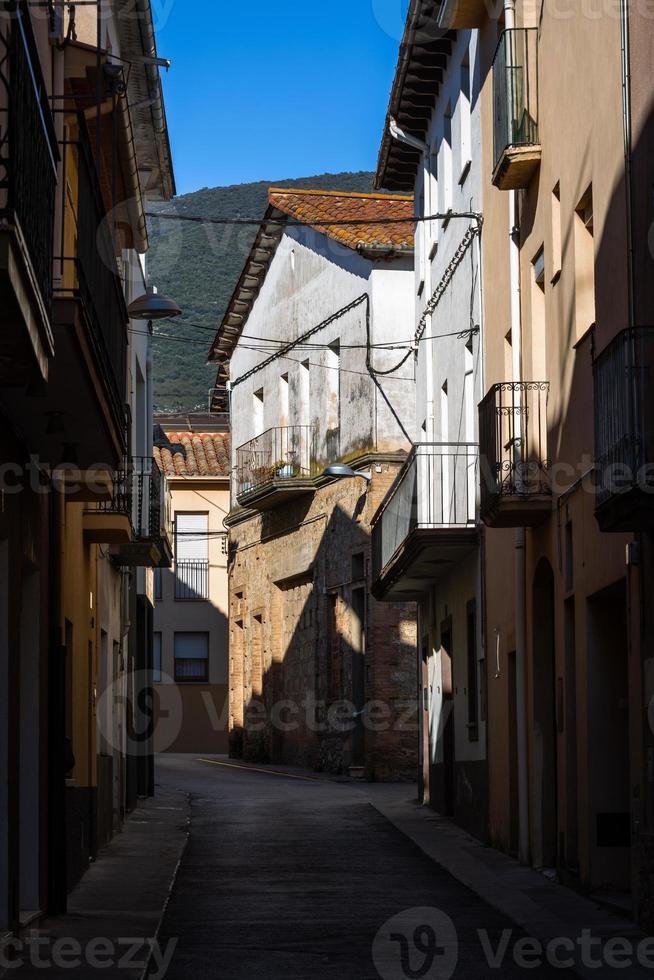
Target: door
x,y
358,675
544,761
448,739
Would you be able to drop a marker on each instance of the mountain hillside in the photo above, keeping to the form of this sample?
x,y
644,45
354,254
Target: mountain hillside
x,y
198,265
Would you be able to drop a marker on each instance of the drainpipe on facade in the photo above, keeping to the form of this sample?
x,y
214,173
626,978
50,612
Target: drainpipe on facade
x,y
520,534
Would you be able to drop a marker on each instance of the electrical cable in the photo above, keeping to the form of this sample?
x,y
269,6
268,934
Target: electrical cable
x,y
320,222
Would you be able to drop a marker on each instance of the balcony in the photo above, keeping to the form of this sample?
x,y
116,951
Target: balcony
x,y
191,580
276,466
91,294
624,432
516,139
135,521
427,523
29,154
515,485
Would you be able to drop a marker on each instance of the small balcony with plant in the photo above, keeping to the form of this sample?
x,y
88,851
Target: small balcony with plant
x,y
276,466
427,522
515,469
624,432
516,137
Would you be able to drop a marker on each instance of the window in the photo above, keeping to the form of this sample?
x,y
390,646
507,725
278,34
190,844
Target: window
x,y
305,393
257,412
156,658
447,160
584,264
192,657
191,556
538,331
358,566
157,585
433,199
556,233
473,672
464,120
283,400
333,381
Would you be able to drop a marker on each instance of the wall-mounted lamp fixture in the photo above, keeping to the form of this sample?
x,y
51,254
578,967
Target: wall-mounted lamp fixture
x,y
339,471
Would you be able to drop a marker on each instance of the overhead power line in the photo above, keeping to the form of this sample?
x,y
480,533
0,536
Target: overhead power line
x,y
319,222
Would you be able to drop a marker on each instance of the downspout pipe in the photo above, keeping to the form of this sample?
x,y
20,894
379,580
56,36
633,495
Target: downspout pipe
x,y
520,562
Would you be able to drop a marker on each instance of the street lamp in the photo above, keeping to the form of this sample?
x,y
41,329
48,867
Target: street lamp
x,y
340,471
152,305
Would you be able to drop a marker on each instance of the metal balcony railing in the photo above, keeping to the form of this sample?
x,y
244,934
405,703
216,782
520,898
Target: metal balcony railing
x,y
624,414
139,491
513,441
28,146
279,454
436,489
191,580
515,91
95,272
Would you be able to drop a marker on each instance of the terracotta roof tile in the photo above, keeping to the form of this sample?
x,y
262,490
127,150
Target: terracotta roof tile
x,y
321,206
194,454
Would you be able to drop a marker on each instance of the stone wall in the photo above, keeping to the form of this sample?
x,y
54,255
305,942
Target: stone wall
x,y
321,675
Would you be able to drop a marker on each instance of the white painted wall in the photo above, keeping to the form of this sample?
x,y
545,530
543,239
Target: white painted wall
x,y
310,278
448,361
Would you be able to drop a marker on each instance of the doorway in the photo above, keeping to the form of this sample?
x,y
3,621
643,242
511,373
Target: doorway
x,y
30,749
544,762
447,732
608,738
358,673
4,738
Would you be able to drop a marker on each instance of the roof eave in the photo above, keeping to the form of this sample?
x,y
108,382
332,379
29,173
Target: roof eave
x,y
423,50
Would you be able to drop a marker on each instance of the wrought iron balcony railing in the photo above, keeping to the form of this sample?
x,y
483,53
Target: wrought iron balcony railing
x,y
191,580
139,492
513,444
436,490
28,147
277,456
515,102
624,431
92,274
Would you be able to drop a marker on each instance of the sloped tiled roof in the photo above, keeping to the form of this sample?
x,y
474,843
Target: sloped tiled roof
x,y
194,454
374,241
317,207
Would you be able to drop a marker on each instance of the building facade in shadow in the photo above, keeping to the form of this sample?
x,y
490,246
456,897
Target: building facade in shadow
x,y
320,674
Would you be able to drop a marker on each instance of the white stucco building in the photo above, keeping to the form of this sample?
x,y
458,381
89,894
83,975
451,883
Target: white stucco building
x,y
427,532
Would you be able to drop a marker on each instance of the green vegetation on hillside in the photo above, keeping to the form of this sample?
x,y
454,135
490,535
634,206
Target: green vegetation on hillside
x,y
199,266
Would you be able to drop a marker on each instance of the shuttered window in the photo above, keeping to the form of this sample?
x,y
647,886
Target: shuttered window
x,y
191,556
191,657
192,533
156,658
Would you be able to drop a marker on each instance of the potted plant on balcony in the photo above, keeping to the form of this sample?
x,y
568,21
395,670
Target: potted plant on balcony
x,y
287,469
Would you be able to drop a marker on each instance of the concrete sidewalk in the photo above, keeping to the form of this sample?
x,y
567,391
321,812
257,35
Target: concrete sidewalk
x,y
542,908
115,912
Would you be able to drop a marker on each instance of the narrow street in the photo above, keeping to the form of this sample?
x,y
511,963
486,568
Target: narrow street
x,y
288,878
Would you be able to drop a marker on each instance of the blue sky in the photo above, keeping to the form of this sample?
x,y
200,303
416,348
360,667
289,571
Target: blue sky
x,y
267,89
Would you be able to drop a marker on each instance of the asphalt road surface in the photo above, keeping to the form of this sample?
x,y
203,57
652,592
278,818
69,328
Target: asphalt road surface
x,y
302,879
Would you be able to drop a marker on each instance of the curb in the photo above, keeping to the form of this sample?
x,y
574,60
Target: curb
x,y
182,851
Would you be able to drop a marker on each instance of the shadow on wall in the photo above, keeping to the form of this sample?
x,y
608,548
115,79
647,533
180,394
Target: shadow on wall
x,y
327,673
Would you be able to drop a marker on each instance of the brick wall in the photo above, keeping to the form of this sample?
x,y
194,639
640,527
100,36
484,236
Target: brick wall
x,y
321,675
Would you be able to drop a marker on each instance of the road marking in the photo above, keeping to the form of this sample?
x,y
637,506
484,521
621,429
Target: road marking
x,y
268,772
